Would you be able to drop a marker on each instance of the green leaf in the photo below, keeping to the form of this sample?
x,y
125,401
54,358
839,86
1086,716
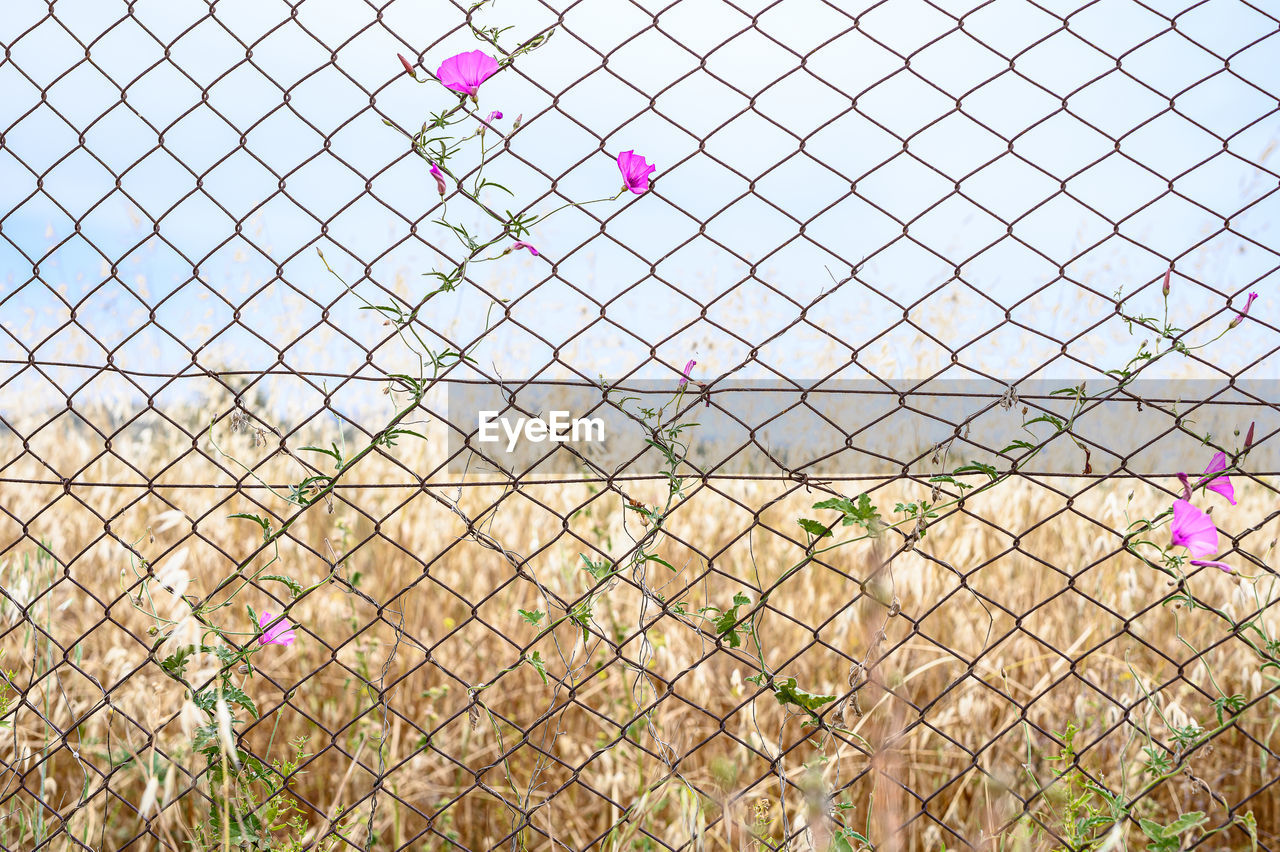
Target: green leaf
x,y
533,617
651,558
176,663
581,616
598,570
295,588
978,467
1189,820
727,621
863,512
207,699
1249,825
497,186
334,454
951,480
233,694
539,664
841,504
1018,444
257,519
814,528
787,692
1046,418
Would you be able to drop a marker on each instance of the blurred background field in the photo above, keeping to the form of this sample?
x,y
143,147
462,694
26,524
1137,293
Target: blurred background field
x,y
1007,631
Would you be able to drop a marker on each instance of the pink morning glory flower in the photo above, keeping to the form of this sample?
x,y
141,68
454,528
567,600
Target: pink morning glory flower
x,y
1214,563
466,71
685,372
1193,529
280,633
493,116
1220,484
635,171
523,245
439,176
1240,316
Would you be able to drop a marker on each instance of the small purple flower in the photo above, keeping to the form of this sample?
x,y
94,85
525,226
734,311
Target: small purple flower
x,y
493,116
635,171
1193,529
1240,316
1186,486
520,244
687,368
1212,562
1220,484
439,176
280,633
466,71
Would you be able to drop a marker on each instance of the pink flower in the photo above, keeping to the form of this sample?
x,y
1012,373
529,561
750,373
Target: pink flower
x,y
1193,529
1240,316
635,171
523,245
439,176
280,633
493,116
408,68
685,372
1207,562
1186,486
466,71
1220,484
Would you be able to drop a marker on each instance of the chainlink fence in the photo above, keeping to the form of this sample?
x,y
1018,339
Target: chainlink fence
x,y
888,235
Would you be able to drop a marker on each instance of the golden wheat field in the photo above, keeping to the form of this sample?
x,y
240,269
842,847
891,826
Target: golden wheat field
x,y
403,715
955,530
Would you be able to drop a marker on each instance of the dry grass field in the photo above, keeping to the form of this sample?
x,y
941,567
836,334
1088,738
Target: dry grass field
x,y
227,250
1013,621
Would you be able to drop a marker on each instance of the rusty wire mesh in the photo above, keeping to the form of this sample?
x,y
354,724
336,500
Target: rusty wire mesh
x,y
107,458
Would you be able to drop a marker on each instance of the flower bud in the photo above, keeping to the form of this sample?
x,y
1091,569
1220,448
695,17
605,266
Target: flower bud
x,y
1240,316
408,68
1248,436
516,124
1186,486
1165,288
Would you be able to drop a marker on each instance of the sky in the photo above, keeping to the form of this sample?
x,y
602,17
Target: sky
x,y
961,159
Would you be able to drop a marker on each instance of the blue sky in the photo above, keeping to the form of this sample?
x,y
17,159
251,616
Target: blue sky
x,y
749,112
